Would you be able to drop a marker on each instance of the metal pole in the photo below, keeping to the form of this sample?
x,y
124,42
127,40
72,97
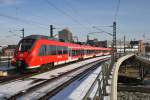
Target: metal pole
x,y
8,60
141,74
22,33
124,44
87,38
0,58
99,88
103,80
113,55
120,49
114,41
51,31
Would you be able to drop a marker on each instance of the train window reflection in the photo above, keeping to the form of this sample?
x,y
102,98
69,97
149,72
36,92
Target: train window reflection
x,y
26,44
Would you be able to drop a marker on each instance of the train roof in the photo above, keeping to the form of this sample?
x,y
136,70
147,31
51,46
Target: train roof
x,y
72,45
39,37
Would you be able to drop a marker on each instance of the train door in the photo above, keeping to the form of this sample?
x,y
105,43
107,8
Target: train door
x,y
42,54
82,53
69,54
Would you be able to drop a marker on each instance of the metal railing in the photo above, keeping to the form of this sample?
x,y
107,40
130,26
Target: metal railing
x,y
100,83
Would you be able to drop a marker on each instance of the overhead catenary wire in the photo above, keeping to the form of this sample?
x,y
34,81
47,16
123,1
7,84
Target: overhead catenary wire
x,y
103,31
31,14
76,12
115,18
24,20
117,10
65,13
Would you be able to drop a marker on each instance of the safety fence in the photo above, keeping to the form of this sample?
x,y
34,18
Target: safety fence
x,y
99,89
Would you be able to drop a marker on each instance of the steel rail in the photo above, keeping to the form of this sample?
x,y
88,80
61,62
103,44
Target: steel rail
x,y
4,80
78,76
40,85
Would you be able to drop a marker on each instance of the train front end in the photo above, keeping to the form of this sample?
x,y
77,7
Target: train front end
x,y
22,53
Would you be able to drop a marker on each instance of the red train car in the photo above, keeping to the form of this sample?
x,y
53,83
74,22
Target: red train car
x,y
36,50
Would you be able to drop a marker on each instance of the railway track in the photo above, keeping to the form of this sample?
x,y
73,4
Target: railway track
x,y
42,83
57,87
4,80
54,91
19,76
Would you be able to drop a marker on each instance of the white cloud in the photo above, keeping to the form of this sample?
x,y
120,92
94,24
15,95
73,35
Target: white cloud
x,y
7,2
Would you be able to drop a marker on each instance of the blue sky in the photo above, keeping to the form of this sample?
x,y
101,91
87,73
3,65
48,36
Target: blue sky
x,y
78,15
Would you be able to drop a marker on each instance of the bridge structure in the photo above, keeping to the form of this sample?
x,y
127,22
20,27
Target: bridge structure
x,y
117,65
142,62
106,81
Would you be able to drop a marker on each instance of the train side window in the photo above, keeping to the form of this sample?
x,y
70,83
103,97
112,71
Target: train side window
x,y
77,52
48,49
65,50
42,51
85,51
100,51
59,50
80,52
70,51
53,50
73,52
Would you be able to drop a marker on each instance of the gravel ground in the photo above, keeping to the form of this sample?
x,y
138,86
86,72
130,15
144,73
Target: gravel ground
x,y
133,96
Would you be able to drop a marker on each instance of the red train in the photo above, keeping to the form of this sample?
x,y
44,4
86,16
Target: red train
x,y
36,50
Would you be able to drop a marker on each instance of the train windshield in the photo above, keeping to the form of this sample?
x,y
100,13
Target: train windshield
x,y
26,45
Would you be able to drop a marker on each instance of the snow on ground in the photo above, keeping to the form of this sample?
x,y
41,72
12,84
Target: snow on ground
x,y
78,89
9,89
42,91
58,71
16,86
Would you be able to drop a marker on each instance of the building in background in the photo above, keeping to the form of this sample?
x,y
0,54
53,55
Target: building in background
x,y
130,46
141,46
92,42
147,48
97,43
9,50
65,35
0,50
138,45
102,44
